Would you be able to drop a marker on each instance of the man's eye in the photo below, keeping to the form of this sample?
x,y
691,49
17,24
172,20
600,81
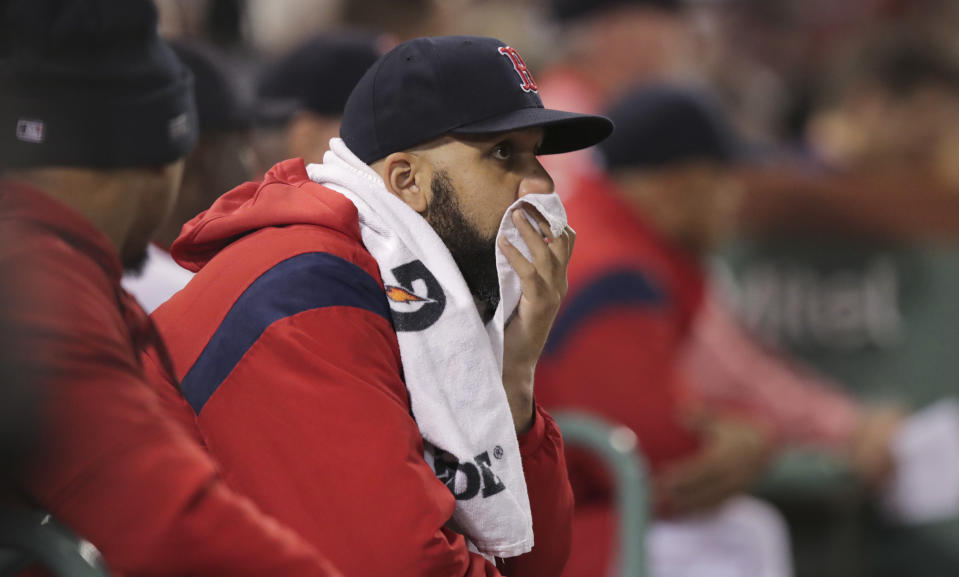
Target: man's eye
x,y
503,151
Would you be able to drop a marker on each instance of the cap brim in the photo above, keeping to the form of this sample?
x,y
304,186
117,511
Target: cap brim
x,y
563,131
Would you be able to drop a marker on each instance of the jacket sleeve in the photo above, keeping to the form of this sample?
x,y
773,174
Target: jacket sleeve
x,y
116,469
313,422
551,501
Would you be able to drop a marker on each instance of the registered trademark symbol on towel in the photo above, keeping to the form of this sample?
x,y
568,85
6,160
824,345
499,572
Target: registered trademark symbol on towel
x,y
498,452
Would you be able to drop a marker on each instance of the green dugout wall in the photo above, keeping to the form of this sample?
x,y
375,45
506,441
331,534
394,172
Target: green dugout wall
x,y
881,318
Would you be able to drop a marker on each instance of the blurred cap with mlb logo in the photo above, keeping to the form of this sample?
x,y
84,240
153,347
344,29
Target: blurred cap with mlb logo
x,y
90,83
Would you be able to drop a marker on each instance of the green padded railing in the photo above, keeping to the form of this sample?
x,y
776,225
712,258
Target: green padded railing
x,y
33,537
617,447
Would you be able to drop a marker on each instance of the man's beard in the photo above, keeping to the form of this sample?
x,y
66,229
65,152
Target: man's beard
x,y
475,255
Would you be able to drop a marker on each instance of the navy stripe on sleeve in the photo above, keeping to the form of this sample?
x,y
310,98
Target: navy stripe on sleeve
x,y
616,289
301,283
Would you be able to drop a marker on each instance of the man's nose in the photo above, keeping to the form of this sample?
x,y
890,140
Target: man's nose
x,y
539,182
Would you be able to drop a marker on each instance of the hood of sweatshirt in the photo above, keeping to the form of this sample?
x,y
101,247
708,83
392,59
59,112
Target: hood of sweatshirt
x,y
286,196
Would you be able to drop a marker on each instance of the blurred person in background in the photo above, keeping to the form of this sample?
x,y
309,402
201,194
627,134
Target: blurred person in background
x,y
275,27
604,48
98,116
228,25
636,289
773,59
609,45
399,21
769,56
301,96
222,158
891,106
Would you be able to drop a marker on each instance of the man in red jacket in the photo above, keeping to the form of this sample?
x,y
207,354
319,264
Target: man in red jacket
x,y
98,114
299,339
636,289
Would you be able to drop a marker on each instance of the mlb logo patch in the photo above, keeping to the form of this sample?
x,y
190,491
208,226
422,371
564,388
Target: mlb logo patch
x,y
179,127
30,131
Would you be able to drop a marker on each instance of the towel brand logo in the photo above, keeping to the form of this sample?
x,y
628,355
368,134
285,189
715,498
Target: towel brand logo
x,y
418,301
467,480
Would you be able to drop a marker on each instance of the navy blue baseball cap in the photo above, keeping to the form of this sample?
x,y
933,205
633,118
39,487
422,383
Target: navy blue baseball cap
x,y
428,87
221,105
317,76
661,125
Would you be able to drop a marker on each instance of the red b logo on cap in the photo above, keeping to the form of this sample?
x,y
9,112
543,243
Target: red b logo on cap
x,y
527,84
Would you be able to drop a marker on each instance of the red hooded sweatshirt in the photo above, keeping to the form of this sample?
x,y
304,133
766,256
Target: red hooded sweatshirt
x,y
290,364
115,468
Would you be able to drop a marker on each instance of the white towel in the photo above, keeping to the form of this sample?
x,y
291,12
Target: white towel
x,y
452,363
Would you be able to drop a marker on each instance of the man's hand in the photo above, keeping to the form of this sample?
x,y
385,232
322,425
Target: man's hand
x,y
731,457
543,282
869,452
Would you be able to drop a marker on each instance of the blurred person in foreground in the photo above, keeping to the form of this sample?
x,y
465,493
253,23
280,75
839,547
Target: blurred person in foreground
x,y
222,158
642,342
348,346
19,402
300,98
98,115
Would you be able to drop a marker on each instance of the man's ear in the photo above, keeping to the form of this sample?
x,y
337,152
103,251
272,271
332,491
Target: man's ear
x,y
407,177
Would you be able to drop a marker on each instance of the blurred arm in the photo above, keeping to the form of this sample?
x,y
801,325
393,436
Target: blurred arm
x,y
730,369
